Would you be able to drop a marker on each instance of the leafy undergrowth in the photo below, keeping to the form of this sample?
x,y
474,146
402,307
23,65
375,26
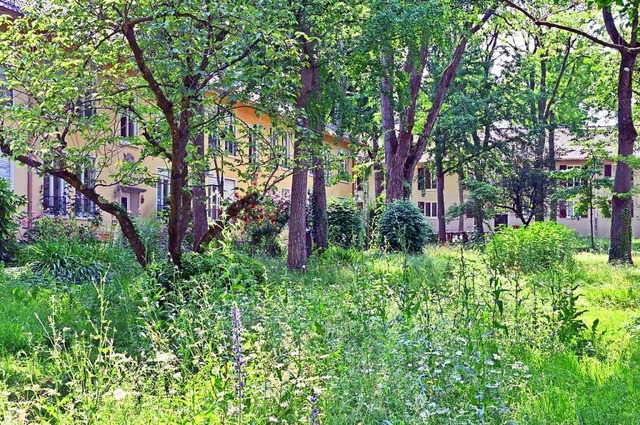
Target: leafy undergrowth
x,y
361,338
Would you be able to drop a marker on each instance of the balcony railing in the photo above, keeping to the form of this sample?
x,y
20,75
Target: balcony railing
x,y
54,205
84,208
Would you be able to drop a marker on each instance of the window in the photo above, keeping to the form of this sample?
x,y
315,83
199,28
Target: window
x,y
128,124
6,94
213,200
286,149
425,180
54,196
573,181
254,154
608,170
229,137
286,192
88,103
84,207
345,165
430,209
229,189
163,190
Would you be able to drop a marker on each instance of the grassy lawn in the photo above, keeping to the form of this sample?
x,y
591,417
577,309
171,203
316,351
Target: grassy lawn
x,y
361,338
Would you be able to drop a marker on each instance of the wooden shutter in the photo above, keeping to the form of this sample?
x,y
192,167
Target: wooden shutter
x,y
608,170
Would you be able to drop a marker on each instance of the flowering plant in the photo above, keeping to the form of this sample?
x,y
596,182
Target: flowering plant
x,y
264,221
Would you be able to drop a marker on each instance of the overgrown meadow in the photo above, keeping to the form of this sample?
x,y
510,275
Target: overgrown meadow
x,y
525,329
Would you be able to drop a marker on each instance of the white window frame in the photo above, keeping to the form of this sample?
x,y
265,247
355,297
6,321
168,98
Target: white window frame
x,y
230,145
163,185
229,195
213,198
131,127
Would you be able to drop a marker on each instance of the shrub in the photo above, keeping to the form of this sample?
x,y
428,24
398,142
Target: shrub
x,y
57,228
220,267
540,247
9,204
404,227
264,222
346,225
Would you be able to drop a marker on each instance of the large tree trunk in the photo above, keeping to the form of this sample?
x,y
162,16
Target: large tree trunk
x,y
319,203
621,231
180,202
297,246
200,224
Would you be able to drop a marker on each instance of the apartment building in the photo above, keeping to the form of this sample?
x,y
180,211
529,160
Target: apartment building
x,y
569,155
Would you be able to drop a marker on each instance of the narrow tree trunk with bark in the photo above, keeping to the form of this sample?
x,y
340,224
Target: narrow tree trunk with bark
x,y
319,203
553,206
461,200
621,208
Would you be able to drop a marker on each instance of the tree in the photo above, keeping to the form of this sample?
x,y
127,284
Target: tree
x,y
410,41
591,190
157,65
628,48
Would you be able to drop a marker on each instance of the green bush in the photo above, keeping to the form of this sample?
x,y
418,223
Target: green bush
x,y
346,225
540,247
57,228
69,262
220,267
404,227
9,204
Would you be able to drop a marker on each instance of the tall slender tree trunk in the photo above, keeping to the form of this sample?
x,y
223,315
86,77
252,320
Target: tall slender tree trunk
x,y
442,224
461,200
309,71
319,203
621,208
551,166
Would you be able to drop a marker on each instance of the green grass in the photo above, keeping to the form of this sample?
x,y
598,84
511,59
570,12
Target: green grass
x,y
377,338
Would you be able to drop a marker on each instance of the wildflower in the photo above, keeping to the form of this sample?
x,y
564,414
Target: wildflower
x,y
314,409
119,394
164,357
238,361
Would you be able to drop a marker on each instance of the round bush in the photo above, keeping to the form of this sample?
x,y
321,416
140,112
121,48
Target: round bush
x,y
346,225
540,247
404,227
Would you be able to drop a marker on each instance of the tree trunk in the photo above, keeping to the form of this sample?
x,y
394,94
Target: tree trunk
x,y
621,208
297,247
309,71
553,207
461,200
200,225
319,204
180,202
